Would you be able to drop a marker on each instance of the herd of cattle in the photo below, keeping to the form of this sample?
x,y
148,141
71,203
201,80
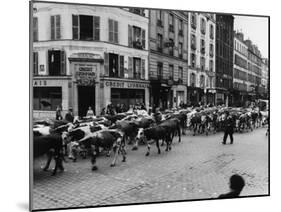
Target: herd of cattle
x,y
91,135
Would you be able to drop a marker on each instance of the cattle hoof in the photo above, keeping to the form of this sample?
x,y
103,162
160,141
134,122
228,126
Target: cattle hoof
x,y
112,165
135,148
147,154
94,168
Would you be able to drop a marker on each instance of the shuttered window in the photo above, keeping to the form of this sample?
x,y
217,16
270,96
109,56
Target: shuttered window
x,y
55,27
142,69
130,67
106,64
35,29
130,36
121,63
35,63
85,27
113,31
143,38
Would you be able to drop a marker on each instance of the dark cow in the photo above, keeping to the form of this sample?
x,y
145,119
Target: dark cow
x,y
195,121
173,127
154,134
244,122
52,145
182,117
107,139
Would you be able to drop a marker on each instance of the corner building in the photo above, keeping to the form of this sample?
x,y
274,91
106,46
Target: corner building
x,y
88,56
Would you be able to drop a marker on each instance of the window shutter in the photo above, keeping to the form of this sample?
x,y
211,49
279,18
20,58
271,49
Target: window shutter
x,y
35,63
130,67
110,31
130,36
52,27
58,35
35,29
142,69
121,68
115,31
75,27
96,30
63,65
106,64
143,38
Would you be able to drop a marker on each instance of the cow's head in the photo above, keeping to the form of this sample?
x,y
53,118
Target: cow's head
x,y
140,136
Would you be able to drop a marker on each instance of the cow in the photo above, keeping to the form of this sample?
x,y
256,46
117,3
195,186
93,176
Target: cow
x,y
52,145
173,127
107,139
182,117
154,134
195,122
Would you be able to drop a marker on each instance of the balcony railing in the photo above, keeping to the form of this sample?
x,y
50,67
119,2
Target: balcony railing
x,y
137,45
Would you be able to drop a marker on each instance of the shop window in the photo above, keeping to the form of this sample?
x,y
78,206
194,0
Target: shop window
x,y
47,98
136,37
56,62
55,27
85,27
113,31
35,29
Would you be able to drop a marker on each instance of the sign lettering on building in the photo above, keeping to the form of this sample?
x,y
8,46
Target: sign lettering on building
x,y
85,74
133,85
39,82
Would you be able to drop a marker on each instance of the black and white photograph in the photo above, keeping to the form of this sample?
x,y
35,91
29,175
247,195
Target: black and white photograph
x,y
139,105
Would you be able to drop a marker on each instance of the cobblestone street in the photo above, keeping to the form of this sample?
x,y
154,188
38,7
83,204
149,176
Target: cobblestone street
x,y
198,167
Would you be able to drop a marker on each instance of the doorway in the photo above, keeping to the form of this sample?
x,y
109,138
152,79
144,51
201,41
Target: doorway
x,y
86,98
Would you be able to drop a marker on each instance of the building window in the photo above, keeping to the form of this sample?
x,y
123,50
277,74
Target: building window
x,y
171,22
171,47
159,70
192,80
211,65
171,72
211,50
137,11
202,81
47,98
136,37
159,14
113,31
85,27
180,50
55,27
35,29
180,27
202,63
56,62
193,20
35,63
211,31
193,42
202,46
113,65
193,60
180,74
159,42
203,26
137,68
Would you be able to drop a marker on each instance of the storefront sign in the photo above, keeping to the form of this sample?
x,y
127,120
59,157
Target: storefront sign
x,y
39,83
85,78
134,85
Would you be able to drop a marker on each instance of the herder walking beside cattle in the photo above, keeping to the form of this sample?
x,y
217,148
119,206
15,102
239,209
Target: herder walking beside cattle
x,y
229,128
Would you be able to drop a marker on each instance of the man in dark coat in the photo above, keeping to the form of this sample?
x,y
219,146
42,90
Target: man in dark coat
x,y
237,183
229,126
69,116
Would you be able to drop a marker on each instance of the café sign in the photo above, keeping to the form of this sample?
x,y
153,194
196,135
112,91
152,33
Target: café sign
x,y
133,85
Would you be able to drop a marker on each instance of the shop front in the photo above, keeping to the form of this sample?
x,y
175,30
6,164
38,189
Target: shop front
x,y
50,93
124,92
85,68
179,95
194,95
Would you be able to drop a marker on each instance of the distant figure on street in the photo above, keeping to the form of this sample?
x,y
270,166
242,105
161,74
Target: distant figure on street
x,y
237,183
90,112
69,115
58,113
229,126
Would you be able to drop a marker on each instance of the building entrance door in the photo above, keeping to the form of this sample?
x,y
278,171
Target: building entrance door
x,y
86,98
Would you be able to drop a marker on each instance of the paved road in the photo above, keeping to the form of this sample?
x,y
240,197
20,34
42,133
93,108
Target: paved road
x,y
199,167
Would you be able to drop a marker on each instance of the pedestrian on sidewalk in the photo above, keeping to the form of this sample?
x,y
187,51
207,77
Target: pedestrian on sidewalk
x,y
58,113
229,128
236,184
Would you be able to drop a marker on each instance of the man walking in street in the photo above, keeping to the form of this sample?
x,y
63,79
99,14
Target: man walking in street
x,y
236,184
229,125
